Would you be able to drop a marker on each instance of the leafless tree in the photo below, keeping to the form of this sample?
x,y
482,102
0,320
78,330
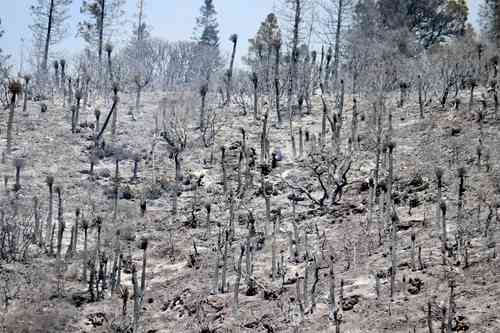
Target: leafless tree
x,y
335,20
176,125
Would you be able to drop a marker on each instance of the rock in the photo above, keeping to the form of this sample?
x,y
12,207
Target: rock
x,y
253,324
165,306
349,302
363,187
296,198
455,131
252,291
97,319
265,169
243,217
270,295
415,286
260,239
152,193
126,193
416,181
420,188
459,324
87,125
104,173
217,303
80,298
290,280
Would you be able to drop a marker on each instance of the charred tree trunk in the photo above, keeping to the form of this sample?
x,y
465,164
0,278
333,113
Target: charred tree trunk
x,y
277,49
48,36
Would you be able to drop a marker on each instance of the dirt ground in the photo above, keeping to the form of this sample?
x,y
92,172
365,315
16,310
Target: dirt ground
x,y
180,298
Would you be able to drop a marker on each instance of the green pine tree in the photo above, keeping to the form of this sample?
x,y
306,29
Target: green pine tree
x,y
207,28
264,42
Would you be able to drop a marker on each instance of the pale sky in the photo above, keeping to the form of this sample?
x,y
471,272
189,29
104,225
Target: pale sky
x,y
170,19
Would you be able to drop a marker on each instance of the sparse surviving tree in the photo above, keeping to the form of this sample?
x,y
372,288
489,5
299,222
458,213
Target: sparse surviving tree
x,y
429,21
206,31
49,24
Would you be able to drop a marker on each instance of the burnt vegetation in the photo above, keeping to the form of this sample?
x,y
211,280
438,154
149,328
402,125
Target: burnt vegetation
x,y
341,174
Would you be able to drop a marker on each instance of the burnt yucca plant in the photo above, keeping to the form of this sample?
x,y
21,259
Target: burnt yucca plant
x,y
49,236
85,227
56,73
109,49
15,89
234,40
78,97
62,62
27,79
114,121
73,118
137,159
144,247
203,94
97,114
255,83
18,164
